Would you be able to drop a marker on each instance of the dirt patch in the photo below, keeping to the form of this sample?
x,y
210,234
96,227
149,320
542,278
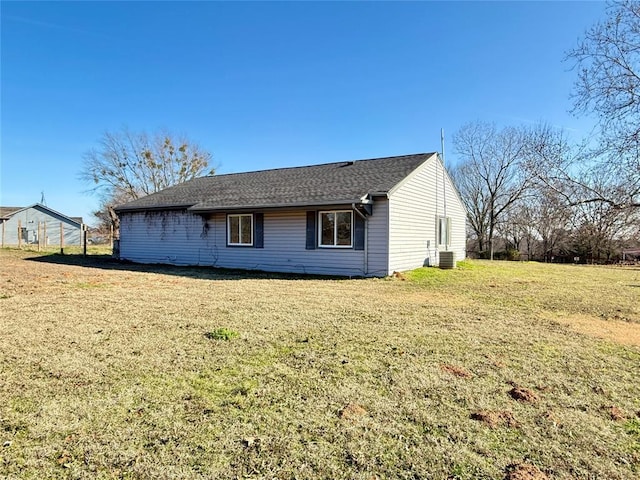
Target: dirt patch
x,y
524,471
352,411
615,413
456,370
523,394
496,418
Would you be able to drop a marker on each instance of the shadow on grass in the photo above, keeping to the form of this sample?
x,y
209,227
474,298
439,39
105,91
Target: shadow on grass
x,y
107,262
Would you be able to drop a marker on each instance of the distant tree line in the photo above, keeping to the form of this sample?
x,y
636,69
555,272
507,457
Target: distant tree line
x,y
532,194
517,210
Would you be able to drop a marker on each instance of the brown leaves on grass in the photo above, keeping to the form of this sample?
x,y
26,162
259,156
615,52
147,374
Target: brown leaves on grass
x,y
65,460
352,411
524,471
496,418
523,394
456,370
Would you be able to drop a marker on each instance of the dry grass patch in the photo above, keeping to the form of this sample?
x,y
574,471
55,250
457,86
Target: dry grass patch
x,y
340,379
625,331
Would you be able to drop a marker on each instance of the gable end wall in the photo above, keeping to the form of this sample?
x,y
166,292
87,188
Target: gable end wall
x,y
413,211
50,222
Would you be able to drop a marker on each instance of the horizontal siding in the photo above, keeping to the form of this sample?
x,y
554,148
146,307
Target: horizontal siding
x,y
182,238
378,239
413,212
161,237
49,229
458,214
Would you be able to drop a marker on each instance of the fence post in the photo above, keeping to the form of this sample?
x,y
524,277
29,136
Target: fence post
x,y
3,226
39,235
84,239
61,239
44,234
19,233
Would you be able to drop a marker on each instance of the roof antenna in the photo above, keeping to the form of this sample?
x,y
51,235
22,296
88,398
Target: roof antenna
x,y
42,199
444,183
442,144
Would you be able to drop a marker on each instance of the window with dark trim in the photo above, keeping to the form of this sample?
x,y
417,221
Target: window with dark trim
x,y
240,230
335,229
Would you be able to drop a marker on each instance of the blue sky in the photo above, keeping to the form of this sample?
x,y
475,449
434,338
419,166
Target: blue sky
x,y
266,85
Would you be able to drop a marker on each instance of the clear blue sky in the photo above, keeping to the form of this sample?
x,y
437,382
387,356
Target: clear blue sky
x,y
266,85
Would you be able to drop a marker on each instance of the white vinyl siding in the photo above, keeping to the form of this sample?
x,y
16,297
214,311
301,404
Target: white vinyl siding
x,y
377,226
414,211
182,238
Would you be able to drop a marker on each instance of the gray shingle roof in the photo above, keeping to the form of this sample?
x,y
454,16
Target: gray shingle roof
x,y
330,183
6,212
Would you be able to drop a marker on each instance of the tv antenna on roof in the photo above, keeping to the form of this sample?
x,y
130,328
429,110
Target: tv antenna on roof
x,y
442,143
42,199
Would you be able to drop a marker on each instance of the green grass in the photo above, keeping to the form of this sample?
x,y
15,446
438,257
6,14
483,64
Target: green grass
x,y
222,333
135,379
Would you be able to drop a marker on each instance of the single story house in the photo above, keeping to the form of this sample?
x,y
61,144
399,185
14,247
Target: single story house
x,y
38,224
355,218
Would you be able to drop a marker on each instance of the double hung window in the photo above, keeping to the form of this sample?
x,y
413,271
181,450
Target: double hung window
x,y
444,230
336,229
240,230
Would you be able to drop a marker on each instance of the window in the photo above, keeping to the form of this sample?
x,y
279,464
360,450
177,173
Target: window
x,y
240,230
335,229
444,230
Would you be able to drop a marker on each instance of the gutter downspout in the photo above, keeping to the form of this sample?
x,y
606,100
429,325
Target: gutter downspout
x,y
365,265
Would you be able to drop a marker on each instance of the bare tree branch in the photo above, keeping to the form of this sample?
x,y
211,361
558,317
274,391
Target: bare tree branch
x,y
128,165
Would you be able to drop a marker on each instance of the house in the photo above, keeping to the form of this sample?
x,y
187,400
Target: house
x,y
355,218
38,224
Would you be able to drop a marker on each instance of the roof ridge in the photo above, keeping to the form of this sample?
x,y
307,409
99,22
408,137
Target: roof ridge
x,y
324,182
318,164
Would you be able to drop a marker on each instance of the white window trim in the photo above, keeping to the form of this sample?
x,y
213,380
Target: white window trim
x,y
447,232
335,230
231,244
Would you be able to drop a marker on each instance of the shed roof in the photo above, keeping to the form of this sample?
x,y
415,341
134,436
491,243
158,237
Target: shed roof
x,y
330,183
8,212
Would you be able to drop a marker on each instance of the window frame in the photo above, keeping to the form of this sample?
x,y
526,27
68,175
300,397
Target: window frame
x,y
447,231
335,229
240,216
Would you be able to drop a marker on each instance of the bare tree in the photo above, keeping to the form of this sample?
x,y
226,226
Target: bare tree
x,y
607,60
490,176
128,165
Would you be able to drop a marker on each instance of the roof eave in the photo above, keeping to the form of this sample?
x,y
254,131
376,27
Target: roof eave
x,y
226,208
134,209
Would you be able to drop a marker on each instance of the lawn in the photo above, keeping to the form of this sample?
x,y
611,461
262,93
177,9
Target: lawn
x,y
489,371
